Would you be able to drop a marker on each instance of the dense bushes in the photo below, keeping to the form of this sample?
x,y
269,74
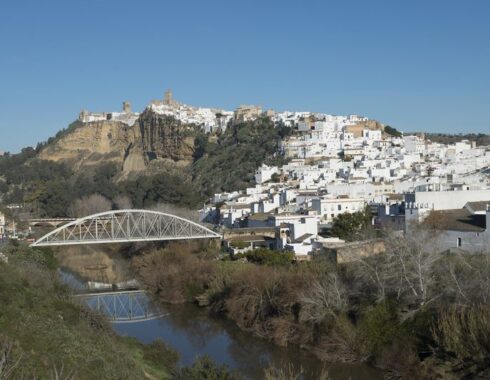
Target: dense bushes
x,y
146,191
48,188
431,310
481,139
463,336
205,369
230,163
267,257
352,226
392,131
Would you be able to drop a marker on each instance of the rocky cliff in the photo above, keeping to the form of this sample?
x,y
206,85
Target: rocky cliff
x,y
153,140
88,144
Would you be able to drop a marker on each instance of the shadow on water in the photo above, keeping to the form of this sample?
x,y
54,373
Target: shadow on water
x,y
193,333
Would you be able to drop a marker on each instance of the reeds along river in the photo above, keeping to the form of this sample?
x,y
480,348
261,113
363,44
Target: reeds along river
x,y
193,332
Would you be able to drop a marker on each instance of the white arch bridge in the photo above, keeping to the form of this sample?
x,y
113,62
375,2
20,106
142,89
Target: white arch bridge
x,y
123,226
121,306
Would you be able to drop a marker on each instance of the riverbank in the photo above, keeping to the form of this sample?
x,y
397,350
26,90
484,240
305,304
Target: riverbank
x,y
44,335
193,332
341,313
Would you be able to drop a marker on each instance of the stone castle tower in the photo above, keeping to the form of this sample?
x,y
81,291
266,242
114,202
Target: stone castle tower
x,y
126,107
82,115
169,100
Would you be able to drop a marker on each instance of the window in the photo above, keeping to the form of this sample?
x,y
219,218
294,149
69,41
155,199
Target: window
x,y
459,242
339,207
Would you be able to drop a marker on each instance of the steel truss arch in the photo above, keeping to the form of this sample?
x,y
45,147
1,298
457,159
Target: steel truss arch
x,y
121,306
124,226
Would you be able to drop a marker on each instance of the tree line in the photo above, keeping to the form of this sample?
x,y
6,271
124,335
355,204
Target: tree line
x,y
411,311
221,163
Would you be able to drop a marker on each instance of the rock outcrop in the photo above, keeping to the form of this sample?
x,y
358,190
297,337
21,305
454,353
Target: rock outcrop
x,y
164,137
151,140
89,144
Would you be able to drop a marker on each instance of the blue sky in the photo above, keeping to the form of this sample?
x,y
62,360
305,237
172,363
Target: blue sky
x,y
416,65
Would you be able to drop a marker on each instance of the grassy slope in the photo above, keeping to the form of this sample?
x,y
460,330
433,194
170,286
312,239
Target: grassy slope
x,y
47,331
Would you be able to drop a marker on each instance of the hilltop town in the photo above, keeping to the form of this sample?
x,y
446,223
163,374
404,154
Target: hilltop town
x,y
383,216
337,165
328,166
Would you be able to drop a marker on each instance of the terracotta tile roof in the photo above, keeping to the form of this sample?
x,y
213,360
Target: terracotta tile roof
x,y
461,220
478,206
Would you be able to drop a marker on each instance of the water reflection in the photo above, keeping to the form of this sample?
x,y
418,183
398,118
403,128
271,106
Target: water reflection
x,y
192,332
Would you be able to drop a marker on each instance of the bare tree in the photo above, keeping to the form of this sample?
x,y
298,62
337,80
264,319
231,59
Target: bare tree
x,y
467,279
89,205
406,269
178,211
376,274
323,297
416,256
7,363
123,202
58,373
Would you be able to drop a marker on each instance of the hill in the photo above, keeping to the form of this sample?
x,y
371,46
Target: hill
x,y
481,139
158,159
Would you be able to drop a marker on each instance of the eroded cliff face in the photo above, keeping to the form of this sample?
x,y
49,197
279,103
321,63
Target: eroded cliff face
x,y
89,144
154,140
163,137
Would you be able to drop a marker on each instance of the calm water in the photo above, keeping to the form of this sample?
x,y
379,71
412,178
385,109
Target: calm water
x,y
193,333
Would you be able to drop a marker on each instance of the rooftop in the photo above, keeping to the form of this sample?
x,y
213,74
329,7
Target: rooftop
x,y
460,220
302,238
259,216
478,206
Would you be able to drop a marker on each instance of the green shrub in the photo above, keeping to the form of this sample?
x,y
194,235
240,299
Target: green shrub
x,y
392,131
264,256
160,355
238,244
463,335
205,369
379,327
351,226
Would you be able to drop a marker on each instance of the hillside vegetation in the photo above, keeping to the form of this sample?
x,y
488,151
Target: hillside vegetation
x,y
481,139
215,163
412,312
43,335
230,162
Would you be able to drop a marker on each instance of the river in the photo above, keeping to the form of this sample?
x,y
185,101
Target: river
x,y
194,333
